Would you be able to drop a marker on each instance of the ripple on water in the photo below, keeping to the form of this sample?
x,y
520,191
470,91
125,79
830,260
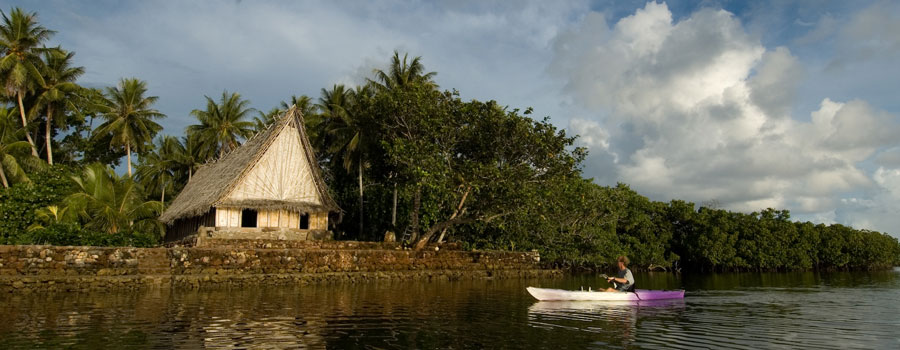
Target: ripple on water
x,y
823,313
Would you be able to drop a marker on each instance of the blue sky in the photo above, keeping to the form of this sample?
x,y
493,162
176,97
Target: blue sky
x,y
787,104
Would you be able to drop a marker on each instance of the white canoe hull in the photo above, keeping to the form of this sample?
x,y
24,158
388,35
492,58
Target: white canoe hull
x,y
545,294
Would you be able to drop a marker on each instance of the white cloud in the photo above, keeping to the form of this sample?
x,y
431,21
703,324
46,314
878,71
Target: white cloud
x,y
774,87
698,109
269,51
879,212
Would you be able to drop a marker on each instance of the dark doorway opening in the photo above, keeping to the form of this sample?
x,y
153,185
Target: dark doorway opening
x,y
304,221
248,218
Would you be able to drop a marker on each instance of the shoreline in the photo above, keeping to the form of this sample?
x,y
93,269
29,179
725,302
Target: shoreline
x,y
42,284
71,268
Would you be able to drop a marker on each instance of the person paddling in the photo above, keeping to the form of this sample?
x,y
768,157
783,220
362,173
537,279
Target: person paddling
x,y
624,280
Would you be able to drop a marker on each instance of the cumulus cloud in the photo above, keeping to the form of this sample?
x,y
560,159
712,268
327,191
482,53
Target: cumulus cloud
x,y
269,51
871,34
774,87
878,212
699,109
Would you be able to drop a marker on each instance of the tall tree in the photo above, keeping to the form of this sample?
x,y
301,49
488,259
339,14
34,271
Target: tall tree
x,y
12,149
129,117
262,120
305,103
345,134
158,167
57,94
403,72
222,125
79,146
188,158
21,38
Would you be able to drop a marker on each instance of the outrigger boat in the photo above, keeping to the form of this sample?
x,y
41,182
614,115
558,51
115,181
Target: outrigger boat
x,y
545,294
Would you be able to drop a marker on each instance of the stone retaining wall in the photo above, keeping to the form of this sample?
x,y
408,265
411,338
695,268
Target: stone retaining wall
x,y
73,268
204,240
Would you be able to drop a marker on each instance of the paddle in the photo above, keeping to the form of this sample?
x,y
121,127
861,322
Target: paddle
x,y
604,276
615,284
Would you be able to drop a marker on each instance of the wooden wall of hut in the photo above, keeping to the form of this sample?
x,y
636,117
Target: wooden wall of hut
x,y
231,217
186,227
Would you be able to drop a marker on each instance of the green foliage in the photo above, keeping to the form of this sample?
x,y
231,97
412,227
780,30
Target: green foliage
x,y
29,215
107,202
21,43
19,204
129,117
14,153
72,234
57,95
222,125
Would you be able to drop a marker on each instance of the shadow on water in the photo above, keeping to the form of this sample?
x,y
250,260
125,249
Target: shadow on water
x,y
749,310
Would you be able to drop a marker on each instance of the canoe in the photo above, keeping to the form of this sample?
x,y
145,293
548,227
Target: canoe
x,y
545,294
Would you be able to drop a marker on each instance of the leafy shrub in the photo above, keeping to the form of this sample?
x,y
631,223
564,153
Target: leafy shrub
x,y
19,203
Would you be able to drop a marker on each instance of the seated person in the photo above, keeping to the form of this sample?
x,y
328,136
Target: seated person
x,y
624,280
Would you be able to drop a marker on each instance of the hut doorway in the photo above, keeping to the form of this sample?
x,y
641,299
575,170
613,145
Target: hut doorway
x,y
304,221
248,218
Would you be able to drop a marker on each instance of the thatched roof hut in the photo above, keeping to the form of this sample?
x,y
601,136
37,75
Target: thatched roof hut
x,y
273,180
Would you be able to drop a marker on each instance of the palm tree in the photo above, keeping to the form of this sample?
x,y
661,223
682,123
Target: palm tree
x,y
129,117
12,149
57,94
345,133
304,103
157,168
45,217
187,158
263,120
332,105
108,202
222,125
402,73
20,41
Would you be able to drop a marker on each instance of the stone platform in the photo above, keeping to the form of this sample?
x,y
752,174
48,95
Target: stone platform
x,y
79,268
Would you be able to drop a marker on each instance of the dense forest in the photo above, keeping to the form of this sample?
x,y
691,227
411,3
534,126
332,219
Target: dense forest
x,y
401,155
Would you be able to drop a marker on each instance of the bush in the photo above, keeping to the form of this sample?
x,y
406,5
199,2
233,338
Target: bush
x,y
19,202
18,211
69,233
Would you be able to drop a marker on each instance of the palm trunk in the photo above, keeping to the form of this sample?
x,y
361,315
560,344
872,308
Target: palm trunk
x,y
414,216
360,200
128,156
394,210
47,135
34,151
3,177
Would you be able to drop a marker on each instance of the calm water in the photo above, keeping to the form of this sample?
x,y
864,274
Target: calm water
x,y
752,311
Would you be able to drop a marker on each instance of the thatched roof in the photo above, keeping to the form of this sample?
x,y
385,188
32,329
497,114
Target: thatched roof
x,y
211,183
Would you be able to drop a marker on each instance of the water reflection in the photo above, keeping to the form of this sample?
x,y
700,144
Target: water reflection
x,y
613,320
839,310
